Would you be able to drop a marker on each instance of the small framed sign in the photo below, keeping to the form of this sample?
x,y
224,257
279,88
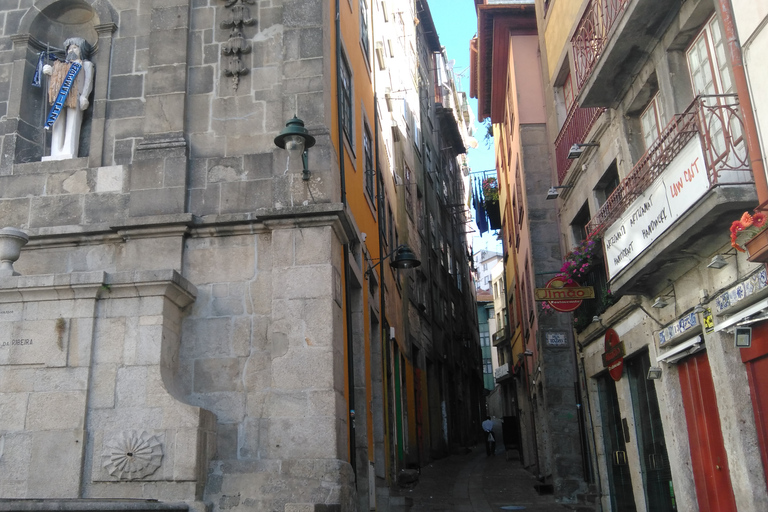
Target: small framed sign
x,y
743,337
557,339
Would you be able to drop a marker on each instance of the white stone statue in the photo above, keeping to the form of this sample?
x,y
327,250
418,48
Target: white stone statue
x,y
65,137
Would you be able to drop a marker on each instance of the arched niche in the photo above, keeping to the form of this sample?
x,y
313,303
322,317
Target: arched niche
x,y
46,25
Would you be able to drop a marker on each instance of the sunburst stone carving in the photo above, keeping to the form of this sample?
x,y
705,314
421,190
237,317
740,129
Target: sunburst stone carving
x,y
132,455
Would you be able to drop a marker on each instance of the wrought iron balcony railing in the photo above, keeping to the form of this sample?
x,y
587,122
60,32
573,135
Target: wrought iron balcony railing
x,y
592,34
574,130
716,120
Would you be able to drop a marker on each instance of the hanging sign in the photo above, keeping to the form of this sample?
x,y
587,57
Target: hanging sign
x,y
563,294
613,358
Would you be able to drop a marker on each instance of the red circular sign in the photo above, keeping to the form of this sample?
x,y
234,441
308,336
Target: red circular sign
x,y
613,358
564,306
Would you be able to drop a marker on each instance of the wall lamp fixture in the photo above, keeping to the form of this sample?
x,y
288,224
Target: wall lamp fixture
x,y
654,373
577,149
661,301
404,259
552,192
718,260
296,139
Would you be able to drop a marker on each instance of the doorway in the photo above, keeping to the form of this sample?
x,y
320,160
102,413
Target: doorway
x,y
709,461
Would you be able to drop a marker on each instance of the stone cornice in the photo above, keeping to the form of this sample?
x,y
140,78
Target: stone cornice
x,y
98,285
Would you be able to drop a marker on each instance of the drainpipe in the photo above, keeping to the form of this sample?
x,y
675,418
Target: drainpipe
x,y
742,90
345,250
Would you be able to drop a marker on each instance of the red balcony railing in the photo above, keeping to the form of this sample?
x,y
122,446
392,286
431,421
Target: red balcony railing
x,y
592,34
576,126
716,119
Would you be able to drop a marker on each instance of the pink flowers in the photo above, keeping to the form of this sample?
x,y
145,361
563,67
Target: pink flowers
x,y
578,262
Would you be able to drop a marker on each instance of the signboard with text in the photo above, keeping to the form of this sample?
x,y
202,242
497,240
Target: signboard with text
x,y
678,188
563,294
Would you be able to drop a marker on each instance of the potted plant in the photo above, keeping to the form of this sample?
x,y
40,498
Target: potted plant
x,y
749,234
578,262
491,202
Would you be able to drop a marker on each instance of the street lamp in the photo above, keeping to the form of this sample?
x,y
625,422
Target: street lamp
x,y
296,140
404,259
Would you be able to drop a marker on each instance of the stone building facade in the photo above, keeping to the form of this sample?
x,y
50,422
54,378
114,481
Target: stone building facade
x,y
656,155
199,318
182,289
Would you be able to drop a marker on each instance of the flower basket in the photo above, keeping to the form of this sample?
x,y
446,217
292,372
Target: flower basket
x,y
749,234
758,248
494,214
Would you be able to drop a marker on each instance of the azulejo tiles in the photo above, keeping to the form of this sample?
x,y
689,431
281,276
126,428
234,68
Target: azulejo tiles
x,y
742,290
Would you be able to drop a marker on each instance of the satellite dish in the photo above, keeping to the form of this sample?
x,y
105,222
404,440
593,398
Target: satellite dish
x,y
451,63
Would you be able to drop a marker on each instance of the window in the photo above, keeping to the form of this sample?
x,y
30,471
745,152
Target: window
x,y
345,97
607,184
568,95
707,62
709,75
408,191
650,122
579,225
364,31
368,160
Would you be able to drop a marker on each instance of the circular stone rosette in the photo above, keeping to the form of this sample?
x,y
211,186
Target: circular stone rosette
x,y
132,455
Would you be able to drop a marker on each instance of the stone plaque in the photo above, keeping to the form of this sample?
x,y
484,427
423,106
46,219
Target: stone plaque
x,y
34,342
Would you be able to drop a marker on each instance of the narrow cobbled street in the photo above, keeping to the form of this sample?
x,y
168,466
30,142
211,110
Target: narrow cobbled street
x,y
474,482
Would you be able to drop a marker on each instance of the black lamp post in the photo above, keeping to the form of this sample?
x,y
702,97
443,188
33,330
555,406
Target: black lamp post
x,y
296,140
404,259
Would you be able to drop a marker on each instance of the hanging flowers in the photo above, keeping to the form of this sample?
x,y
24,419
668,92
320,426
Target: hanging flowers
x,y
490,189
578,262
746,228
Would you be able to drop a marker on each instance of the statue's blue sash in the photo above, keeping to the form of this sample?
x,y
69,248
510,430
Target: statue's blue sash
x,y
62,96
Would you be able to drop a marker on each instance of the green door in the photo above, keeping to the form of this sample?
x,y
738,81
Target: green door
x,y
657,475
622,497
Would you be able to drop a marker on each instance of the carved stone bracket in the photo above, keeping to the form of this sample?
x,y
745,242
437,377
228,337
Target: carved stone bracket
x,y
236,45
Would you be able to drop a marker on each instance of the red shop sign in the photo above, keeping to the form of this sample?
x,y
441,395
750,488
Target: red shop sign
x,y
564,306
613,358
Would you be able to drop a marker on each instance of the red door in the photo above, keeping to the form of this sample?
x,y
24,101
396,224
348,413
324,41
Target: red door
x,y
756,361
708,458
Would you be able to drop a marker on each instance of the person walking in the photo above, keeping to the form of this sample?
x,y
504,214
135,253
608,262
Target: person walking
x,y
490,440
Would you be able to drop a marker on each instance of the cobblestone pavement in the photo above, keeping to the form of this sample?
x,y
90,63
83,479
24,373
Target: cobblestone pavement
x,y
477,483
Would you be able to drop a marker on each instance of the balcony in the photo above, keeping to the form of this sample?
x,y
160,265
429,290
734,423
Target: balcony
x,y
693,181
574,131
610,44
501,336
501,373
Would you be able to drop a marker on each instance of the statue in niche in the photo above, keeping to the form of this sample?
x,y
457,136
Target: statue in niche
x,y
70,85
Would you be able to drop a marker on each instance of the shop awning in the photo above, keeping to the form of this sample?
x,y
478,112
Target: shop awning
x,y
742,315
682,350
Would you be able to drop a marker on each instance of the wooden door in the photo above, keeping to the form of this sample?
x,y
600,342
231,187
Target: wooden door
x,y
709,461
756,361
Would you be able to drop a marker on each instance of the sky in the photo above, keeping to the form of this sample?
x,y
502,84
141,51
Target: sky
x,y
456,23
